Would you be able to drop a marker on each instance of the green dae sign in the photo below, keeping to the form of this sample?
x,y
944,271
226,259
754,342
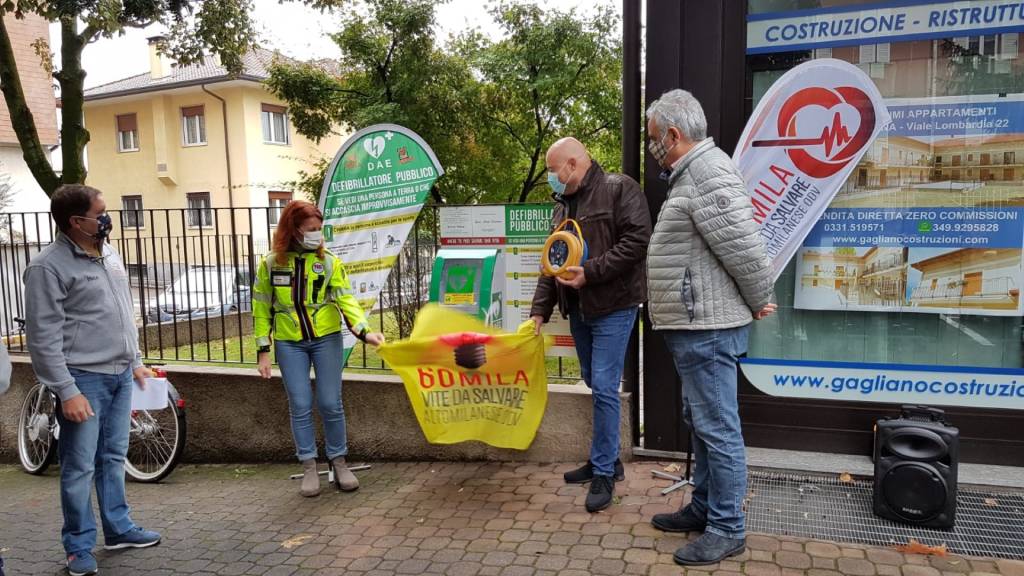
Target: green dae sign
x,y
371,198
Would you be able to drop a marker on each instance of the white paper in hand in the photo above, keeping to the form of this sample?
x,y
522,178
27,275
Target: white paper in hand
x,y
154,397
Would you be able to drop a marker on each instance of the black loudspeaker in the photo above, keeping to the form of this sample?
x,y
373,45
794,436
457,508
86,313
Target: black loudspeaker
x,y
916,468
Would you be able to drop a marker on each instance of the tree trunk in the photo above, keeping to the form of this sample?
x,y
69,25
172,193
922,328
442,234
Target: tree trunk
x,y
531,178
21,116
73,135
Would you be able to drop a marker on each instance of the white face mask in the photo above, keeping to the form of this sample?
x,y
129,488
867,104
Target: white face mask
x,y
312,240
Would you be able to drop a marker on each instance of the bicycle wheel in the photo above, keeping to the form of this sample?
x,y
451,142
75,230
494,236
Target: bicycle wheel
x,y
156,442
37,446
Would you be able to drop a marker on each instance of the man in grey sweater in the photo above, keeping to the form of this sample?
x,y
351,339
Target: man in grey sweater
x,y
82,338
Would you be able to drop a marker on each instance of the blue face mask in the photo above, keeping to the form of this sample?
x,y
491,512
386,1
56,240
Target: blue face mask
x,y
556,185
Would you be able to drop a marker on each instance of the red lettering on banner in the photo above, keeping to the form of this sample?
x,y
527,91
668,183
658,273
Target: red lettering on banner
x,y
563,340
521,375
443,375
445,378
760,210
782,174
424,376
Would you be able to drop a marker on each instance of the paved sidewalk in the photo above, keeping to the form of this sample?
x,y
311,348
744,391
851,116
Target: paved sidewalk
x,y
419,518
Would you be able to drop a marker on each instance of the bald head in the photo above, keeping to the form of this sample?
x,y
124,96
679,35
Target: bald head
x,y
569,160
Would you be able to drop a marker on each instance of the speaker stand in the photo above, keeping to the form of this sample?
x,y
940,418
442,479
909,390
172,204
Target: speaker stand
x,y
330,472
678,481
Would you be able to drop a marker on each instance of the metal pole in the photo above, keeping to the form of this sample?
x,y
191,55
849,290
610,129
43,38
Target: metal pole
x,y
631,143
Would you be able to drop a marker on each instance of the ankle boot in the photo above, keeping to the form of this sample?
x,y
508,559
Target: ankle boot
x,y
310,479
343,477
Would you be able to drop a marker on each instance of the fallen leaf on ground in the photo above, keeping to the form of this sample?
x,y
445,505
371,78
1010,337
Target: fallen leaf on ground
x,y
991,502
296,541
673,468
845,477
915,547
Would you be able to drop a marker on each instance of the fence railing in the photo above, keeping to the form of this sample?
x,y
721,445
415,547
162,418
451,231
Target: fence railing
x,y
191,272
1000,288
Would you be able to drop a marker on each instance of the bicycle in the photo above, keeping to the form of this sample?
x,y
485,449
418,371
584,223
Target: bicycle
x,y
156,438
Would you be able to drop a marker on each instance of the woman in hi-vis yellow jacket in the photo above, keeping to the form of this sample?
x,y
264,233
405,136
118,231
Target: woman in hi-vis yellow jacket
x,y
301,296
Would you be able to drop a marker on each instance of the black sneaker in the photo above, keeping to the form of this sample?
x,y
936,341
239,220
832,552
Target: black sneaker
x,y
602,488
709,549
682,520
585,473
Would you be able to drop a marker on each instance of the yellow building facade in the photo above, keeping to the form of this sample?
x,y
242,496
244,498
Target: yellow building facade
x,y
190,152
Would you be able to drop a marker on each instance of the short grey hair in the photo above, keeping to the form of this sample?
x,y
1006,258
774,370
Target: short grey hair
x,y
680,110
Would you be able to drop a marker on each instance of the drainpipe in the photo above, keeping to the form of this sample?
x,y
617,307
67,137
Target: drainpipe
x,y
231,191
227,151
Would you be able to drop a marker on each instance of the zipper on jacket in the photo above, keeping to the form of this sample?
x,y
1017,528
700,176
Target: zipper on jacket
x,y
120,305
298,298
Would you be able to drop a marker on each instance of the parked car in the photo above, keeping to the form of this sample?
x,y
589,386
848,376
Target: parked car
x,y
202,292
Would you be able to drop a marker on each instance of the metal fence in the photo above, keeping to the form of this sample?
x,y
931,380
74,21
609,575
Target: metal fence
x,y
191,272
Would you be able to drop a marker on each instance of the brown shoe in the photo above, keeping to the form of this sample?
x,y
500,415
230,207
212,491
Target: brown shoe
x,y
343,477
310,479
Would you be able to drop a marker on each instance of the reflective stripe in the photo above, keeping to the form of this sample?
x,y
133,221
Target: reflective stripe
x,y
261,297
283,307
263,341
271,260
328,266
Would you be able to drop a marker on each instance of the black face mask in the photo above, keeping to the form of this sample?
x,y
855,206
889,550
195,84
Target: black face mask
x,y
104,224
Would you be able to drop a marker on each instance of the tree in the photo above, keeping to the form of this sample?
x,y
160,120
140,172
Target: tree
x,y
197,29
969,71
552,75
488,109
391,70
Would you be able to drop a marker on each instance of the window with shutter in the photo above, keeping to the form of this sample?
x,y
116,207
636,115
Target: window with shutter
x,y
127,133
131,212
278,200
199,212
193,126
275,124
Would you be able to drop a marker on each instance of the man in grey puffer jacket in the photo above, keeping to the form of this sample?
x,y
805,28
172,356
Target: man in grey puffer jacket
x,y
708,277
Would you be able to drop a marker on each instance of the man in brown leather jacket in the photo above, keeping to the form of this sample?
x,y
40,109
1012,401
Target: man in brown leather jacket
x,y
602,297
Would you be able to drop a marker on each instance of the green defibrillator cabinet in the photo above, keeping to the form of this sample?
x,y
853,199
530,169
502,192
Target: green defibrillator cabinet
x,y
470,280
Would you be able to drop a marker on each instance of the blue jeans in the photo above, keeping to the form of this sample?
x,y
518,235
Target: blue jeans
x,y
294,358
95,450
601,346
706,361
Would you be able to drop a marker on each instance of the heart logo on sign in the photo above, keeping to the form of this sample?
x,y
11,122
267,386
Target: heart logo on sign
x,y
824,155
374,146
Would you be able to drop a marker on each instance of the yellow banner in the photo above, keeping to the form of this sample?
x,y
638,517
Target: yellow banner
x,y
468,381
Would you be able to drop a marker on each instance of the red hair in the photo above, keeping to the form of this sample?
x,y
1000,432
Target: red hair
x,y
287,236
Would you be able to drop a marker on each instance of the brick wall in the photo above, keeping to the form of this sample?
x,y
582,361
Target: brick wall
x,y
38,85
